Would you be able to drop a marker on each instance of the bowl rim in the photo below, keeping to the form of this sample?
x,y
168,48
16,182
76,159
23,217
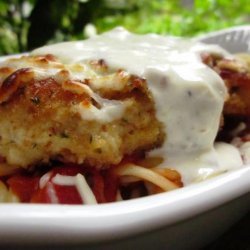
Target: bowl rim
x,y
245,27
90,223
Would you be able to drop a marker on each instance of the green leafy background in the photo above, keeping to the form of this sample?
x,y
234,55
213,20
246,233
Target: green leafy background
x,y
27,24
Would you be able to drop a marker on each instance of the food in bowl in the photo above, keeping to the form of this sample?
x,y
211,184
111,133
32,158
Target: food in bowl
x,y
120,116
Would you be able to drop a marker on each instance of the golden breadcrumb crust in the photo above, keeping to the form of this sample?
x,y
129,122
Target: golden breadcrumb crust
x,y
40,119
236,74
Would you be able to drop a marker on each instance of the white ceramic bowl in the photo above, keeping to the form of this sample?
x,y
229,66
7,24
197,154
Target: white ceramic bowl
x,y
182,219
235,40
187,218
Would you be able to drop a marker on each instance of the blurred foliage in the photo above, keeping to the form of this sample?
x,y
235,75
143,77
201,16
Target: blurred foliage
x,y
26,24
176,18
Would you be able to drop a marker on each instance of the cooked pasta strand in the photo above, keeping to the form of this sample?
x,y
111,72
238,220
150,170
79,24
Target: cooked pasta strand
x,y
146,174
170,174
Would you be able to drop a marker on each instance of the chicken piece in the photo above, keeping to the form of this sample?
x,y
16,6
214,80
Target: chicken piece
x,y
79,113
236,75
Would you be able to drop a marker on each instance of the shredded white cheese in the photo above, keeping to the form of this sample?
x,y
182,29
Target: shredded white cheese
x,y
81,185
44,180
64,180
84,190
52,194
109,111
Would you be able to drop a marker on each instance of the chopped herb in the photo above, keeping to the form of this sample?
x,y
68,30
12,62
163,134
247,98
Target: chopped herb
x,y
35,100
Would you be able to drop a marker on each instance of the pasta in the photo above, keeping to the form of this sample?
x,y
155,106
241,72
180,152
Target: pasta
x,y
146,174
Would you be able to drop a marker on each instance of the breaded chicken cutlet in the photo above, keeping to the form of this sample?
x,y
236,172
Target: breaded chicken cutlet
x,y
236,75
49,110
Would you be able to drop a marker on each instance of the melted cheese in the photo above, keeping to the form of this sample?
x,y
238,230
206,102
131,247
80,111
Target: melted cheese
x,y
189,96
109,109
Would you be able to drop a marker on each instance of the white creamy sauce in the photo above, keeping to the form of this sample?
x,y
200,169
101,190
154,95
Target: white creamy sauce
x,y
109,109
189,96
44,180
229,156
